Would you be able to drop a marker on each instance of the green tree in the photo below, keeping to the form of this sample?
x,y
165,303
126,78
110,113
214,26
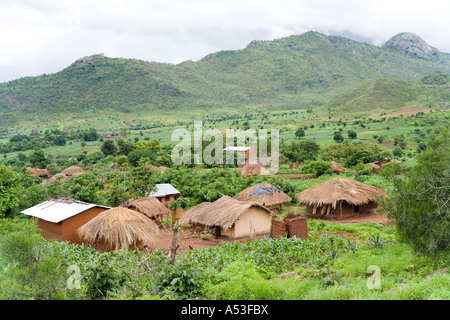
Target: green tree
x,y
352,134
136,155
300,133
22,157
34,268
9,190
419,202
108,147
301,150
318,168
397,152
127,184
83,187
124,147
90,135
37,159
338,137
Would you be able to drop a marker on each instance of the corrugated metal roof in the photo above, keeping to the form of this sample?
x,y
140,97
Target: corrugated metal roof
x,y
58,209
164,189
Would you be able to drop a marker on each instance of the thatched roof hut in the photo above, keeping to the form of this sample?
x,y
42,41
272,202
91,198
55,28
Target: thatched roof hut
x,y
264,194
338,196
67,173
152,167
230,217
42,173
118,228
191,216
336,167
149,206
73,171
254,169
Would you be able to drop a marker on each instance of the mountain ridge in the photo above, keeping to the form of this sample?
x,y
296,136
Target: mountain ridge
x,y
298,71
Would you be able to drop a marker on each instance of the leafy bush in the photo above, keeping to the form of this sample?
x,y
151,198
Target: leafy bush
x,y
32,267
318,168
104,276
184,279
419,201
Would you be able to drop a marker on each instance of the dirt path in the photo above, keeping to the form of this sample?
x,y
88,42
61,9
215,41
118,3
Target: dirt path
x,y
187,241
362,217
367,217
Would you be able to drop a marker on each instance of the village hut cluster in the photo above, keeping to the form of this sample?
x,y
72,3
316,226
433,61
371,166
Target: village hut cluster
x,y
131,226
252,213
249,214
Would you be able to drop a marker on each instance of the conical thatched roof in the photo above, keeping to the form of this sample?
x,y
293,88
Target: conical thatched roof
x,y
336,167
264,194
118,228
42,173
67,173
149,206
339,189
223,212
254,169
73,171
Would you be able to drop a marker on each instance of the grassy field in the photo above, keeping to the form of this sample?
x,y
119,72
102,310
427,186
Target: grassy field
x,y
411,123
336,262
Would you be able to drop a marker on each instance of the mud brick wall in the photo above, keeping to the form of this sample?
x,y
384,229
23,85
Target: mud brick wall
x,y
278,229
297,227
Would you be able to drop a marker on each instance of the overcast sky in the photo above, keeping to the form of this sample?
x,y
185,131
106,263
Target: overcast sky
x,y
45,36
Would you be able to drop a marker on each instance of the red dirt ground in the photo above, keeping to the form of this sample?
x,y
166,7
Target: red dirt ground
x,y
189,242
367,217
186,240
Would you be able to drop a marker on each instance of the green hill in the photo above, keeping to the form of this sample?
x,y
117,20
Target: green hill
x,y
387,94
295,72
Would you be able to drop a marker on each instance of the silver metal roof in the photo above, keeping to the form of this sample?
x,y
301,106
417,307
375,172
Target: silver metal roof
x,y
164,189
58,209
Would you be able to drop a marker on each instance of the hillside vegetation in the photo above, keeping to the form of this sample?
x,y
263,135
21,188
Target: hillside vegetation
x,y
387,94
300,71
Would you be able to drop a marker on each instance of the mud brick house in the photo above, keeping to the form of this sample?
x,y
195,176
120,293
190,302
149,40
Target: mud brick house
x,y
340,197
165,193
59,218
230,218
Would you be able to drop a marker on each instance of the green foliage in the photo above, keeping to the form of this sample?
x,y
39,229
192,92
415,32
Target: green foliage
x,y
419,202
108,147
299,133
37,159
104,276
436,78
338,137
129,184
9,190
83,188
136,155
183,279
376,241
317,168
264,73
124,147
299,151
90,135
352,134
350,154
30,268
181,202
